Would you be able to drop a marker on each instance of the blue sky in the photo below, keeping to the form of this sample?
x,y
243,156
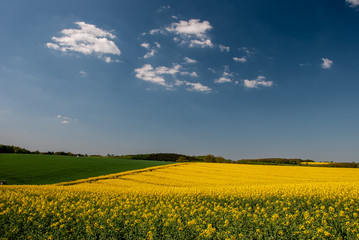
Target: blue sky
x,y
238,79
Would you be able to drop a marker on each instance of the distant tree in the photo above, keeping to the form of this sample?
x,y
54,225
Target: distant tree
x,y
220,160
12,149
209,158
182,159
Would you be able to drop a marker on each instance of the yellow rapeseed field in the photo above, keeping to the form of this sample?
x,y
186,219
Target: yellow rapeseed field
x,y
189,201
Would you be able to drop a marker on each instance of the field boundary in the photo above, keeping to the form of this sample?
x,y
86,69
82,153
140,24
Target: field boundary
x,y
117,175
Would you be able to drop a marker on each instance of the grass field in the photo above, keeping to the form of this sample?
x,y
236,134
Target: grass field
x,y
47,169
189,201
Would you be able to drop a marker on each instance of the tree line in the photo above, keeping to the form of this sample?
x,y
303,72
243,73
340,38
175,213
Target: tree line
x,y
174,157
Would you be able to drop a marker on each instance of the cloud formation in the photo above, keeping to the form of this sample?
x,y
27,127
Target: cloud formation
x,y
151,50
189,60
327,63
242,59
197,87
259,81
88,40
226,76
193,32
158,76
192,74
155,75
223,48
63,119
353,3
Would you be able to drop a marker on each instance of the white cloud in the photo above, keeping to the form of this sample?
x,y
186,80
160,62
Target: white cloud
x,y
200,43
157,76
145,45
223,80
64,120
192,32
260,81
353,3
88,40
192,74
149,54
157,45
154,75
198,87
83,73
154,31
190,28
242,59
107,59
151,50
226,76
327,63
189,60
223,48
52,45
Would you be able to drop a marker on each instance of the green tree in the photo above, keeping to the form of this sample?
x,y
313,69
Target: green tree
x,y
209,158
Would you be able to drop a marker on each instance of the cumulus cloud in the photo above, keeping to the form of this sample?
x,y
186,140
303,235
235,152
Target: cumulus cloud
x,y
154,31
192,74
145,45
151,50
189,60
192,32
88,40
223,48
327,63
242,59
155,75
193,27
198,87
200,43
223,80
226,76
259,81
53,46
166,77
353,3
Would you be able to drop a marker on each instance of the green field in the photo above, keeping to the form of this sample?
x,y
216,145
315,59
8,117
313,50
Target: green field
x,y
47,169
